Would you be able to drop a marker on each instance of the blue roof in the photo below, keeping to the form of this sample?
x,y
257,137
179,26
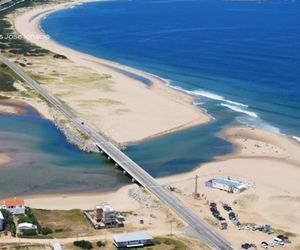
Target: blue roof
x,y
132,237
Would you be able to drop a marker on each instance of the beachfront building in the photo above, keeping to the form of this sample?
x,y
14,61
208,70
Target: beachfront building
x,y
136,239
106,214
15,207
1,222
228,185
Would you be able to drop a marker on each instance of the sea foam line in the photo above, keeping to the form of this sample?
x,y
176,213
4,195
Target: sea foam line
x,y
240,110
296,138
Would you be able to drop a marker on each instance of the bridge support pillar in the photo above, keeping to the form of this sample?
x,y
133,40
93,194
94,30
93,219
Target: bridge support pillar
x,y
116,165
133,180
124,172
108,158
101,152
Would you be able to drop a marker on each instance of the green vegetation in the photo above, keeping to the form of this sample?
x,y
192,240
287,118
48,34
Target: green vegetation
x,y
83,244
101,243
18,45
63,223
46,231
42,79
176,243
9,221
29,233
7,79
24,246
57,56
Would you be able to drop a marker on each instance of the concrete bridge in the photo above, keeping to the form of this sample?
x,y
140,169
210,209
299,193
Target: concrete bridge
x,y
197,227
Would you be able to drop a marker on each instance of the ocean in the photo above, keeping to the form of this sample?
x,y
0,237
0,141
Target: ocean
x,y
243,55
240,59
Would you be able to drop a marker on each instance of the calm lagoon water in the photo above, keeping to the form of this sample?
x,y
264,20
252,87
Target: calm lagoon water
x,y
242,59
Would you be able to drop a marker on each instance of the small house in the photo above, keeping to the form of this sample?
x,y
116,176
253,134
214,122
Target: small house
x,y
136,239
15,207
26,226
228,185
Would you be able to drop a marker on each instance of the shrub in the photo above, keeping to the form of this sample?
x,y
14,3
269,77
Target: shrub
x,y
46,231
24,219
57,56
83,244
29,232
101,244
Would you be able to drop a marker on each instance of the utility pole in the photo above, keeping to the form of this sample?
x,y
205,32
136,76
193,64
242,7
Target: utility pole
x,y
196,187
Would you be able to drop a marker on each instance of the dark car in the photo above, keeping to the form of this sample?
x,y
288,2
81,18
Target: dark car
x,y
213,209
227,208
246,246
213,204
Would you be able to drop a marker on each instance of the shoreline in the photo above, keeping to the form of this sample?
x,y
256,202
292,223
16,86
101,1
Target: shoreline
x,y
244,134
264,202
28,25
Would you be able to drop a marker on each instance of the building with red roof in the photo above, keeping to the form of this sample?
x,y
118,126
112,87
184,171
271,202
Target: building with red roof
x,y
15,206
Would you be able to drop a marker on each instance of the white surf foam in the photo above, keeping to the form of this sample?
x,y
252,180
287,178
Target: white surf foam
x,y
239,109
214,96
296,138
257,122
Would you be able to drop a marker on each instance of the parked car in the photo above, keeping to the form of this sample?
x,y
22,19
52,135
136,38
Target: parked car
x,y
279,241
271,244
264,245
213,204
227,208
246,246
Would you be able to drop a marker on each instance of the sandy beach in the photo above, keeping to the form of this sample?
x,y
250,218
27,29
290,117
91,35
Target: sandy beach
x,y
269,163
271,191
123,104
4,159
5,109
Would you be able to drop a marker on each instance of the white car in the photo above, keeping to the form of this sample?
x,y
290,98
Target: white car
x,y
278,241
264,245
271,244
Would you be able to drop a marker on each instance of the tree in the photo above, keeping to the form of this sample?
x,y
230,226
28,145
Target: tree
x,y
83,244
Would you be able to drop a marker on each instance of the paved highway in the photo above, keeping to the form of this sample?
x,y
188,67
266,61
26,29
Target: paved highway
x,y
201,230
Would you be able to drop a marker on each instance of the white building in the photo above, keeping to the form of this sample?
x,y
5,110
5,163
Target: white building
x,y
26,226
106,214
56,246
1,222
15,207
136,239
227,185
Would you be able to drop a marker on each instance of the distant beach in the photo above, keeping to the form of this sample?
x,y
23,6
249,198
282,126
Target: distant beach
x,y
171,110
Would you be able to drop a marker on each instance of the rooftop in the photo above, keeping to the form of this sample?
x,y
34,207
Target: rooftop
x,y
132,237
1,216
231,183
26,224
12,203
